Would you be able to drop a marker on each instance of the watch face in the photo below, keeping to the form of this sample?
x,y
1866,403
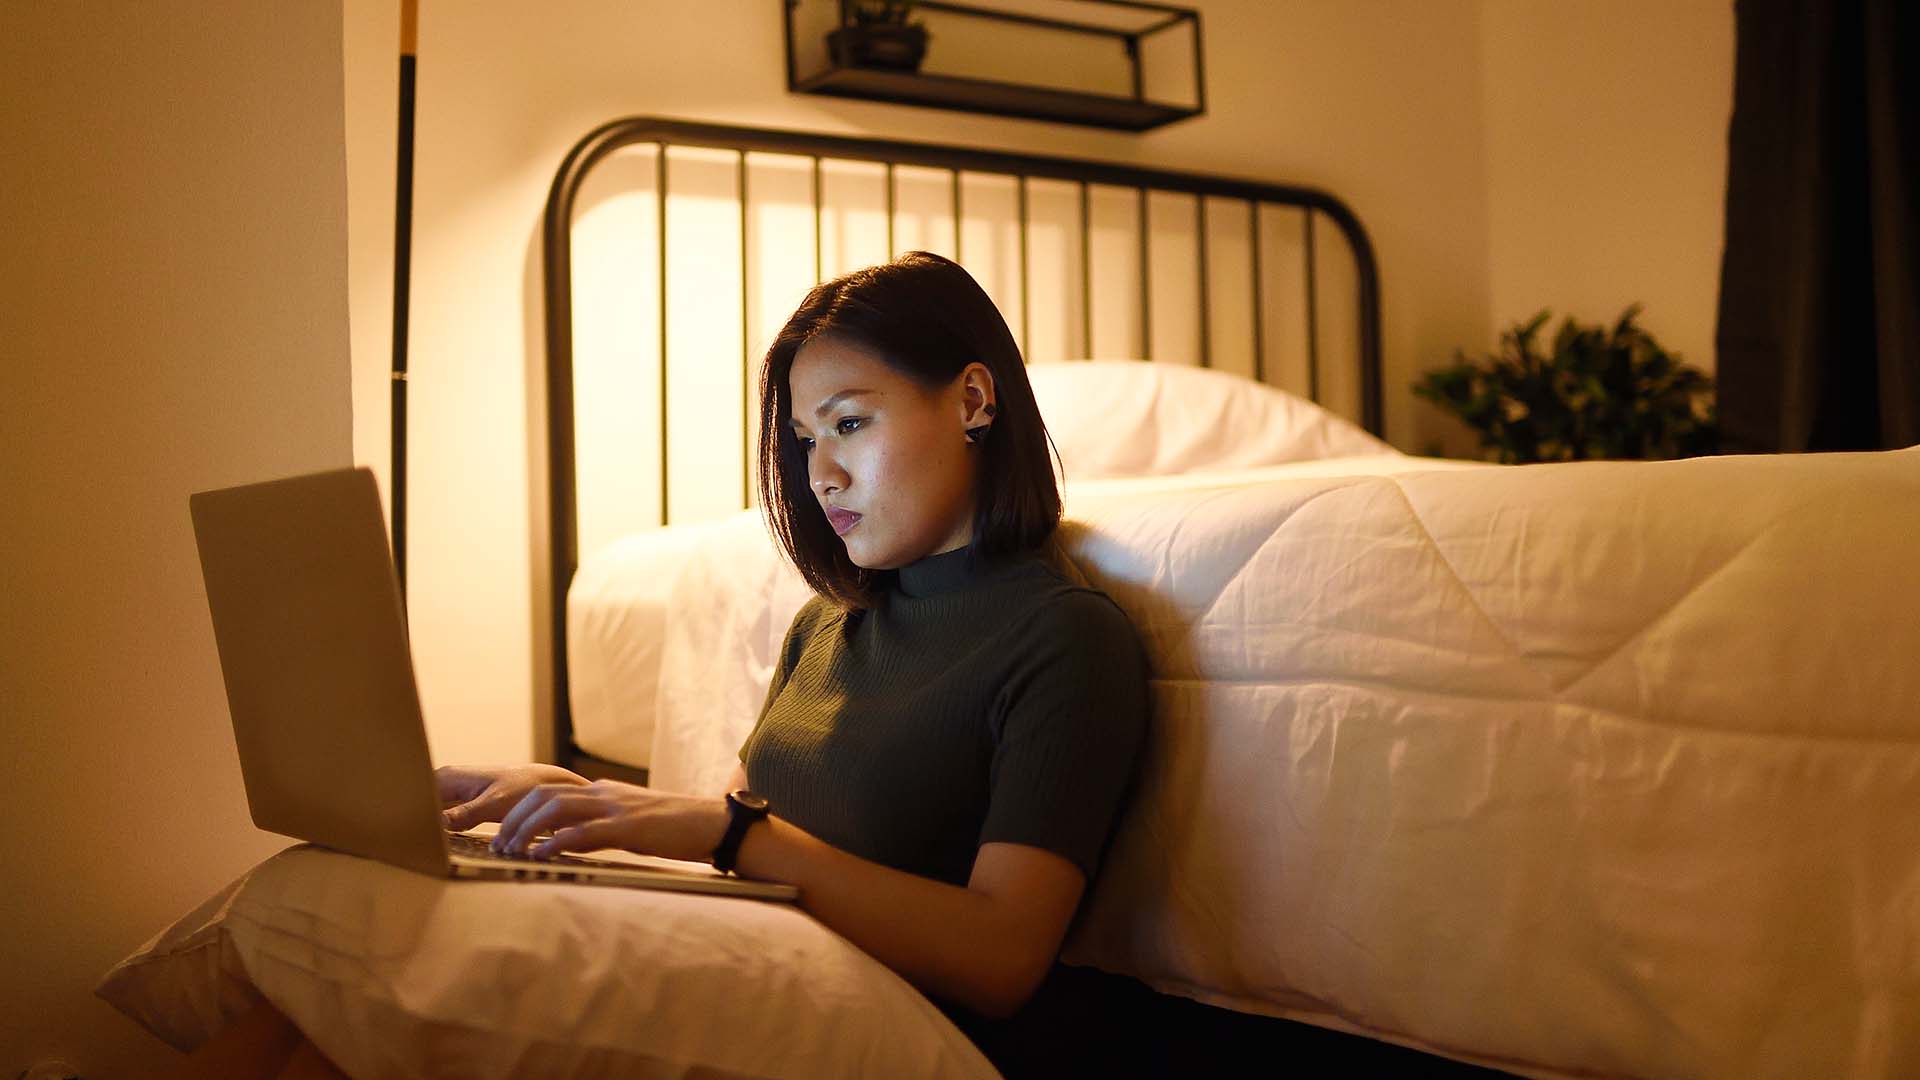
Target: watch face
x,y
750,800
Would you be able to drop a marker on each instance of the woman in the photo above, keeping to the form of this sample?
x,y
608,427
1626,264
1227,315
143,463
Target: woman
x,y
954,719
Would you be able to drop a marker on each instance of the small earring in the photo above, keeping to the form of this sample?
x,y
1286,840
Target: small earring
x,y
975,434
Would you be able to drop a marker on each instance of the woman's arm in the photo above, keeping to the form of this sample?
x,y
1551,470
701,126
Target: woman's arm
x,y
986,947
1018,897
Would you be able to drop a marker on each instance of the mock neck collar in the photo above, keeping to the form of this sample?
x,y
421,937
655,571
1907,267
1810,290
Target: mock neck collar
x,y
935,574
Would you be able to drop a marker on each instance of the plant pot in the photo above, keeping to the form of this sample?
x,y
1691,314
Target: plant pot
x,y
899,48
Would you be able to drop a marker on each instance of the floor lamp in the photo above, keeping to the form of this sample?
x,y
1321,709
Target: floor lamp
x,y
402,262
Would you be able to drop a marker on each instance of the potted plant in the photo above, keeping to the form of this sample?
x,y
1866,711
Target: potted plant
x,y
876,34
1595,394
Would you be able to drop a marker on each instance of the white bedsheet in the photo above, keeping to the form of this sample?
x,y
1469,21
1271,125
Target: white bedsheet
x,y
1607,768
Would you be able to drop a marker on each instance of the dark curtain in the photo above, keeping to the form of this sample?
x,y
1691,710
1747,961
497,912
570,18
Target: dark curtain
x,y
1819,327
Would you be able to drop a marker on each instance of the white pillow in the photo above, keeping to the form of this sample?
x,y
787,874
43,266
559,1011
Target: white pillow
x,y
396,974
1133,418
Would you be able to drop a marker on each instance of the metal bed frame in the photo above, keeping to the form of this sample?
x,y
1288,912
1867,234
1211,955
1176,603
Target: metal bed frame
x,y
554,742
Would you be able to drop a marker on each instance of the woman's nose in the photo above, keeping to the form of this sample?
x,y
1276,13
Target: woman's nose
x,y
827,476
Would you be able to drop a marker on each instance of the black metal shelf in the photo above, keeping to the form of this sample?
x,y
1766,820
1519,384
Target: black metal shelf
x,y
1003,98
998,98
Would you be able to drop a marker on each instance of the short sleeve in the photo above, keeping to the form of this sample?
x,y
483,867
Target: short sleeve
x,y
790,648
1068,729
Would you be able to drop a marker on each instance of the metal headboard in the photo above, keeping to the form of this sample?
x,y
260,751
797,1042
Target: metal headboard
x,y
556,744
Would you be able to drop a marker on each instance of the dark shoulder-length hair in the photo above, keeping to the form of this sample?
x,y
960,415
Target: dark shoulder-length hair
x,y
927,318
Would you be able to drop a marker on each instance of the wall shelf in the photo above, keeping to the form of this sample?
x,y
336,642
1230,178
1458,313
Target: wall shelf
x,y
1114,42
1001,99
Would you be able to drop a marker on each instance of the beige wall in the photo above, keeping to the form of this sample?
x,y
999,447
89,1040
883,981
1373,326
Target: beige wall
x,y
370,61
1606,161
173,312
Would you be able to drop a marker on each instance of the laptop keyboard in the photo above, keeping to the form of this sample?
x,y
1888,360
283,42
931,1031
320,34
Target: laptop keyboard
x,y
480,847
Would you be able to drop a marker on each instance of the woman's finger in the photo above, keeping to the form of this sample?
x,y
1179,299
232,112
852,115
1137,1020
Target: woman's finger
x,y
456,817
586,836
534,799
485,807
458,784
559,810
554,809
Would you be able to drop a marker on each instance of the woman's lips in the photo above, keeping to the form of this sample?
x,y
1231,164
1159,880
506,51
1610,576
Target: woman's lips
x,y
842,520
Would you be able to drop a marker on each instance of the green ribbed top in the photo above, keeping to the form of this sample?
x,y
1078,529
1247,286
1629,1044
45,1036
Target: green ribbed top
x,y
1001,702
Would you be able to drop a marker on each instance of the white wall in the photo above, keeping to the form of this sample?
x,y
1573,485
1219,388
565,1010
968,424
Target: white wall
x,y
1607,162
173,313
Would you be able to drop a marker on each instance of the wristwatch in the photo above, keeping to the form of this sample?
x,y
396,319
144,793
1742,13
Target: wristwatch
x,y
743,809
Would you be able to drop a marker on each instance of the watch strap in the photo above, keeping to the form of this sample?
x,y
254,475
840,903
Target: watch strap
x,y
740,817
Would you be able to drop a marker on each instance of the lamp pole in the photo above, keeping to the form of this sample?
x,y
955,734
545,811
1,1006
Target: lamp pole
x,y
402,263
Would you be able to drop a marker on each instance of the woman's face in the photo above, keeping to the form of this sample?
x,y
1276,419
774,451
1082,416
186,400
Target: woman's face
x,y
879,446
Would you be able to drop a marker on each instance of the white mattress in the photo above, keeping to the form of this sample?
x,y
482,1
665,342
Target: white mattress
x,y
1600,768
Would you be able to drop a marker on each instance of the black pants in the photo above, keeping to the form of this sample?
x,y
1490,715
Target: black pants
x,y
1086,1022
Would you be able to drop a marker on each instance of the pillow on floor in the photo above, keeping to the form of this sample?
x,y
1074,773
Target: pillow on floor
x,y
392,973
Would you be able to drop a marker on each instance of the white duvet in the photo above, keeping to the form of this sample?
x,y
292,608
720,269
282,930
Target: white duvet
x,y
1599,768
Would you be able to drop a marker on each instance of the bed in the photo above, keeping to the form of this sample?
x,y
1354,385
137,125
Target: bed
x,y
1512,769
1596,769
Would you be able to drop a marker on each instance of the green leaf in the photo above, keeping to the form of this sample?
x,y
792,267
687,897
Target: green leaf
x,y
1598,391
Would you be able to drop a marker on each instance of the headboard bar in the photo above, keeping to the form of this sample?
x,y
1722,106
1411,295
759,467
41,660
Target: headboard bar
x,y
1313,327
1259,305
556,743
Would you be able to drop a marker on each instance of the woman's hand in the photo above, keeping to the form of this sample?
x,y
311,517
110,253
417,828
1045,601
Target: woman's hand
x,y
471,794
611,814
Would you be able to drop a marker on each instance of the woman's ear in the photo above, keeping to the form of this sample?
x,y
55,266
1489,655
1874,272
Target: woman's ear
x,y
976,395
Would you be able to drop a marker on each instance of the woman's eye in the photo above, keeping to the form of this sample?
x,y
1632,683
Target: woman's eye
x,y
845,426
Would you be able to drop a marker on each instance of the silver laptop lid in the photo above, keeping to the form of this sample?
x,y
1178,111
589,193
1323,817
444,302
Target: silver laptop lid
x,y
313,645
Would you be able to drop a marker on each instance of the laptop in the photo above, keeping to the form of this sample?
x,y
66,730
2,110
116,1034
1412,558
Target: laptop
x,y
312,638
